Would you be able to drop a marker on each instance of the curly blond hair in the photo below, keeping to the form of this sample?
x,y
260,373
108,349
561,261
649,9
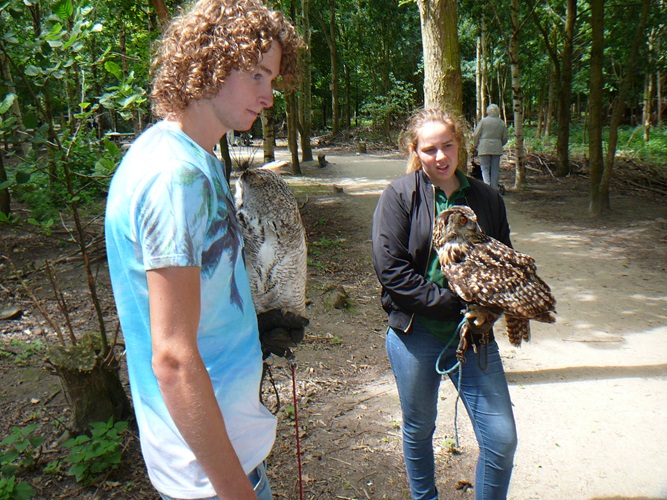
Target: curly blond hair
x,y
410,136
201,47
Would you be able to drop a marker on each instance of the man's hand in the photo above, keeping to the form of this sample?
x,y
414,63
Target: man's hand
x,y
279,331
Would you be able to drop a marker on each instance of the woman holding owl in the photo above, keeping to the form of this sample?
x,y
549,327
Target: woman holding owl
x,y
423,313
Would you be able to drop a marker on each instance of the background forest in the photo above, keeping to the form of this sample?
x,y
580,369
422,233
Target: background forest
x,y
580,83
566,75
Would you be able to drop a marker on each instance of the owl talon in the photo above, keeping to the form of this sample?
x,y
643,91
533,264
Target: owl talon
x,y
464,343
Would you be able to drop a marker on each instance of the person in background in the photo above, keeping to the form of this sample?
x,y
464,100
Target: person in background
x,y
488,139
423,313
175,255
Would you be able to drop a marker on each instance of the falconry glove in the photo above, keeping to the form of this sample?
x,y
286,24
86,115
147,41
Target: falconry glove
x,y
279,331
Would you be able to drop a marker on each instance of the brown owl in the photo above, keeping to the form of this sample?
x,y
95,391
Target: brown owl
x,y
485,272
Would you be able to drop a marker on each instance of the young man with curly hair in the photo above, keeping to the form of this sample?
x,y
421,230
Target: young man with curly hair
x,y
176,255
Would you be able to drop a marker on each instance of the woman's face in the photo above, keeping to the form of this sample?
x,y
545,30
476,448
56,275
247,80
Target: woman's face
x,y
438,152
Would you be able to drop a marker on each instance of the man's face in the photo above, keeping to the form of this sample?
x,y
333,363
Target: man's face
x,y
245,94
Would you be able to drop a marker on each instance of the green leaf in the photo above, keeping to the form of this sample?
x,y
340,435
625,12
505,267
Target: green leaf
x,y
30,120
9,471
23,491
7,103
31,70
114,69
36,441
97,28
111,147
64,9
22,177
55,33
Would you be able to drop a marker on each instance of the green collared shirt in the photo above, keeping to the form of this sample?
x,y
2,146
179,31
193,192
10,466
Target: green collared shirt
x,y
442,330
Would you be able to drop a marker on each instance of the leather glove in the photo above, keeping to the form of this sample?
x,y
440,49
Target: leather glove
x,y
280,330
479,320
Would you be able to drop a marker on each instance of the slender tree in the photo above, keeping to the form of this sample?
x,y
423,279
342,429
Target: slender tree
x,y
333,52
5,199
269,134
21,133
619,104
595,106
562,64
292,126
161,11
517,98
305,96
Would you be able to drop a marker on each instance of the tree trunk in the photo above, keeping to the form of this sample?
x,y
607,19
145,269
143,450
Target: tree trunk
x,y
550,107
595,106
658,85
269,133
648,100
5,199
292,139
162,12
502,85
517,99
478,81
481,79
20,140
443,84
335,123
565,92
305,109
485,71
93,389
226,157
619,105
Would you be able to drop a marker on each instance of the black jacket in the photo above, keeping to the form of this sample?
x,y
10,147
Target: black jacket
x,y
402,233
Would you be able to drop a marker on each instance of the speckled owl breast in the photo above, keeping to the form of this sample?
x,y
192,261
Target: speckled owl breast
x,y
275,241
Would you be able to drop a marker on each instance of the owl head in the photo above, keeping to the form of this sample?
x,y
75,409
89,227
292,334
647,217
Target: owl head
x,y
455,225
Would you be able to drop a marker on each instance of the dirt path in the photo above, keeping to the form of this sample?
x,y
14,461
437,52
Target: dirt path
x,y
589,392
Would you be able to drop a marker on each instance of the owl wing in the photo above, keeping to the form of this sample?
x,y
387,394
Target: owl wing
x,y
495,276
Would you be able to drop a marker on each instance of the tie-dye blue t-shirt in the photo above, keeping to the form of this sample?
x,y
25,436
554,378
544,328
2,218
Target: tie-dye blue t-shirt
x,y
169,205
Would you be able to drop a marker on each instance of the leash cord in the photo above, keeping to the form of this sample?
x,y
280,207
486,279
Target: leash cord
x,y
296,427
458,366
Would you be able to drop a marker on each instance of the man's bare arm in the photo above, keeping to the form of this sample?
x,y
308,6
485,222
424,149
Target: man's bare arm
x,y
175,306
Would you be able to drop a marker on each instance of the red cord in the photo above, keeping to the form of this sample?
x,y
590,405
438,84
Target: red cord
x,y
296,426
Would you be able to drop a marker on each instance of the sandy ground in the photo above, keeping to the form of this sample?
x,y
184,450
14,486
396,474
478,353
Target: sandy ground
x,y
590,392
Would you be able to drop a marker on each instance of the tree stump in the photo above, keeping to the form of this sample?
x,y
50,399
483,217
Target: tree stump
x,y
93,389
361,147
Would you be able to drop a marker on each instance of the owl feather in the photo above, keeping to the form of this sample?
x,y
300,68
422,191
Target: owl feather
x,y
484,271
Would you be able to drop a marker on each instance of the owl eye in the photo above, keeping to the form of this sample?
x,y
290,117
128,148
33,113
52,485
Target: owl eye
x,y
463,219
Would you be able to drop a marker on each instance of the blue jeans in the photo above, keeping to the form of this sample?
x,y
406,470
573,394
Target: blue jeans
x,y
490,165
484,393
257,478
